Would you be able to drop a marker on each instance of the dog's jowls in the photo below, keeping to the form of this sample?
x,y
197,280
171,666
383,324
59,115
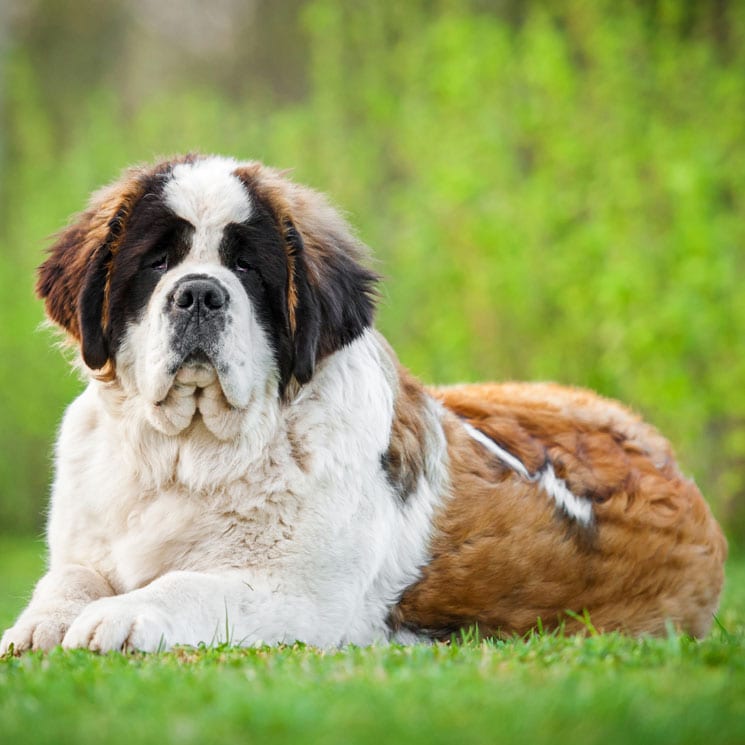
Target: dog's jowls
x,y
249,462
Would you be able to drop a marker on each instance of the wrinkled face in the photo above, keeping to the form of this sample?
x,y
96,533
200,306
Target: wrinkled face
x,y
203,286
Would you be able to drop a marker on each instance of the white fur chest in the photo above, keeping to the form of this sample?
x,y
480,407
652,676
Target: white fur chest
x,y
137,503
298,497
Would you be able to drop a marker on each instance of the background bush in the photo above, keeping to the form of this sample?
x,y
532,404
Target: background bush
x,y
553,190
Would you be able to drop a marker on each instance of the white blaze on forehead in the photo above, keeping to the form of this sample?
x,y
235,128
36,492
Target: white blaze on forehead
x,y
210,196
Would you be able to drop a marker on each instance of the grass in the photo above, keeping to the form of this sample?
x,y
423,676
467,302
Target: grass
x,y
546,689
23,564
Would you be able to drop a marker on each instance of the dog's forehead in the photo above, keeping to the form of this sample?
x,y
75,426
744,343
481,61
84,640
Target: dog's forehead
x,y
208,194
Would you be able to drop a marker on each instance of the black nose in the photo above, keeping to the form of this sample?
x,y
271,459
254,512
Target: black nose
x,y
198,294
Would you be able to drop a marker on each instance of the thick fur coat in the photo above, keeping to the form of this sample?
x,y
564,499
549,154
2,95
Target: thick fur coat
x,y
250,463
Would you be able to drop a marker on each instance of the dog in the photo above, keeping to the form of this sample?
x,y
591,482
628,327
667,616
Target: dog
x,y
250,463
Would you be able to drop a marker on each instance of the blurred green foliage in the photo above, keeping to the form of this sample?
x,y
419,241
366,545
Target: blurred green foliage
x,y
553,191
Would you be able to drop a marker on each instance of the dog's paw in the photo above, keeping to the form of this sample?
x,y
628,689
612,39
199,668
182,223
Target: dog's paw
x,y
43,632
120,624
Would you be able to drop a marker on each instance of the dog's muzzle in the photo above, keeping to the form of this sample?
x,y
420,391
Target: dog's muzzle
x,y
197,308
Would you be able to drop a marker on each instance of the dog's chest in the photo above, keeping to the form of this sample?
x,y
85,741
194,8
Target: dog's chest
x,y
234,526
276,504
199,510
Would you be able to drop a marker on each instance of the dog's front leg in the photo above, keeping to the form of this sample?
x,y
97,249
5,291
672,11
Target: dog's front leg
x,y
58,599
194,608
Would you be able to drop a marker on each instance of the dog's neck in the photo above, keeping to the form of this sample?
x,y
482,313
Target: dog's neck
x,y
319,421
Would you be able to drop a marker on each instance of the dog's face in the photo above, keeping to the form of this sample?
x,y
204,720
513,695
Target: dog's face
x,y
207,279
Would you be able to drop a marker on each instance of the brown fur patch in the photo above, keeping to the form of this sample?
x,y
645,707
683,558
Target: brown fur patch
x,y
403,461
298,451
501,559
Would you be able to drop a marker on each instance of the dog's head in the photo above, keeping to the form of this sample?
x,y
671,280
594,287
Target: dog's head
x,y
202,271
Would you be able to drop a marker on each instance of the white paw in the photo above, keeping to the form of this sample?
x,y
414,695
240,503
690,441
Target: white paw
x,y
120,623
42,632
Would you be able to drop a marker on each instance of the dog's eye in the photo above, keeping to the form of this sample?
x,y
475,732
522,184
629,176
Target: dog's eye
x,y
241,265
160,264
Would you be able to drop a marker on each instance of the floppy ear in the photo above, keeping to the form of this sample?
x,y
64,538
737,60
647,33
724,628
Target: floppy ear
x,y
73,281
92,300
304,311
333,292
330,292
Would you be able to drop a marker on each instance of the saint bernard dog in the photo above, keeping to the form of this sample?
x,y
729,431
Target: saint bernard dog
x,y
250,464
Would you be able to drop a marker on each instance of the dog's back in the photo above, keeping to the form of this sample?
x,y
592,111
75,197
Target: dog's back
x,y
566,501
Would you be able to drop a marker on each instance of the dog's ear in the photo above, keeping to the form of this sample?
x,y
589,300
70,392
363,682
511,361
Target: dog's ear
x,y
304,310
94,344
73,281
332,293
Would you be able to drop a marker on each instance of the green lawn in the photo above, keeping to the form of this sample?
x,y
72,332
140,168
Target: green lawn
x,y
544,690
